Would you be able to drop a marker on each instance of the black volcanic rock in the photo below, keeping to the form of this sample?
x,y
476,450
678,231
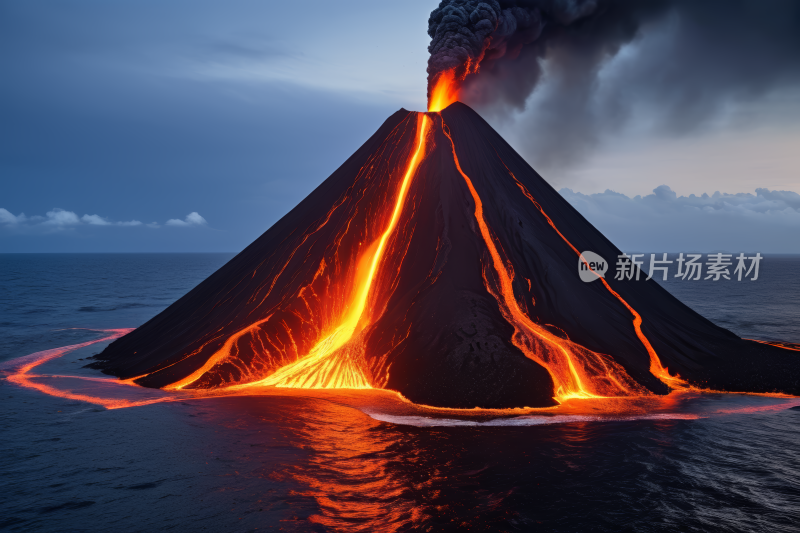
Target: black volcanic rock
x,y
435,333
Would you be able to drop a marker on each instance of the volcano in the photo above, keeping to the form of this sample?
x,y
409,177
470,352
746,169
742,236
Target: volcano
x,y
437,263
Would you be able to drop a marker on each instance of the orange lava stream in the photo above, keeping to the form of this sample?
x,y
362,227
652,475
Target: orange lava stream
x,y
22,375
330,363
215,358
576,371
795,347
445,92
656,368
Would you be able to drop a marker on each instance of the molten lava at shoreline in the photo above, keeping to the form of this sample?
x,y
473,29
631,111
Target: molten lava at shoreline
x,y
388,406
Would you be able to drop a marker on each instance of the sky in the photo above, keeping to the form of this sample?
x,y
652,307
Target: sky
x,y
185,126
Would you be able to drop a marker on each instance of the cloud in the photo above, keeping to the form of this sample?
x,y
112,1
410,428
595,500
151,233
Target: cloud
x,y
95,220
192,219
7,217
767,221
60,217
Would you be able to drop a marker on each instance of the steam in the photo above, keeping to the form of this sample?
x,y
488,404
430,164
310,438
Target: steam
x,y
570,71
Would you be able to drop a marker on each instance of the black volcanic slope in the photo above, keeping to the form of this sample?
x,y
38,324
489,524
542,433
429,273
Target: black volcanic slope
x,y
434,332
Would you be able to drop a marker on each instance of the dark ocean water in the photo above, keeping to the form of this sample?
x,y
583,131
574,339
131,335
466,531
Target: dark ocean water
x,y
316,463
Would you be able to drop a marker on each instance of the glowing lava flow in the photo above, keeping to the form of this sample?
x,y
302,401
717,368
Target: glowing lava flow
x,y
330,363
19,371
656,368
793,346
576,371
445,92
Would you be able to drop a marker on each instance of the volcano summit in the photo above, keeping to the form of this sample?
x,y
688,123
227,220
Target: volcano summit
x,y
437,263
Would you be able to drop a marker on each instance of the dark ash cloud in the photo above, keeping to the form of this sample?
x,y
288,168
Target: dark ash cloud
x,y
592,65
467,33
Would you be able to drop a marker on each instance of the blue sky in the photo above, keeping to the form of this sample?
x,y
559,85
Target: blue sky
x,y
185,126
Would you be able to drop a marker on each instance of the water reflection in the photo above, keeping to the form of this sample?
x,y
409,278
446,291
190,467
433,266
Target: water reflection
x,y
363,477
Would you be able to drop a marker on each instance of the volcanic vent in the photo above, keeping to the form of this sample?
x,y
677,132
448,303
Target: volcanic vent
x,y
436,262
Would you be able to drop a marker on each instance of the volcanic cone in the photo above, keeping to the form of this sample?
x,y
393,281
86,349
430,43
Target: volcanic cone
x,y
437,263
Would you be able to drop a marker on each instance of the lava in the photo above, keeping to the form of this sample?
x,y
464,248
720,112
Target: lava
x,y
792,346
566,376
20,374
656,368
218,356
329,364
445,91
334,361
576,371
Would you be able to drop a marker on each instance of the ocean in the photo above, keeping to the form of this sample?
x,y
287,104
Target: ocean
x,y
304,461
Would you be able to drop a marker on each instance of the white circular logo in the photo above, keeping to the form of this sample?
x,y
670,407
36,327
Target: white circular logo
x,y
591,267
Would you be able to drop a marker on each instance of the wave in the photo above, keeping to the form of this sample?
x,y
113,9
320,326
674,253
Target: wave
x,y
425,421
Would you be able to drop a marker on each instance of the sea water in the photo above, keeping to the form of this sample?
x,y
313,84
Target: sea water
x,y
306,462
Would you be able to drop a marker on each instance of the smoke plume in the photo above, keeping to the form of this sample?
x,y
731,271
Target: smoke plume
x,y
464,33
579,69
